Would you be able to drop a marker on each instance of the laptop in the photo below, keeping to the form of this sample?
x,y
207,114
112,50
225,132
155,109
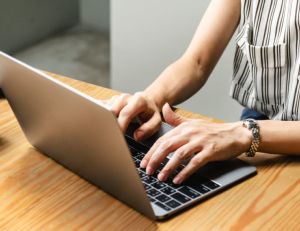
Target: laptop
x,y
82,134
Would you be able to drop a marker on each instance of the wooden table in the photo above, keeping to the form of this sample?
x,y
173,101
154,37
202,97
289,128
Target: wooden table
x,y
38,194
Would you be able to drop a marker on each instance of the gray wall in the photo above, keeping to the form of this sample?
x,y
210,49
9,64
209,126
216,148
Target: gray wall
x,y
95,13
146,36
22,23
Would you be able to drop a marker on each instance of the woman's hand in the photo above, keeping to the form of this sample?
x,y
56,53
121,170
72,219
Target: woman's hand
x,y
197,141
128,107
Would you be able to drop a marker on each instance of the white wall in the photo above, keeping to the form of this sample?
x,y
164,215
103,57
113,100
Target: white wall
x,y
146,36
95,13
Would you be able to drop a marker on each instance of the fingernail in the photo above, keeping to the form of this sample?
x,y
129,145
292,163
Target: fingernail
x,y
177,180
143,164
161,176
149,171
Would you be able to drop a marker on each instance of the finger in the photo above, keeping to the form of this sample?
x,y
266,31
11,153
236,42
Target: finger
x,y
119,103
148,128
155,146
180,155
134,107
163,150
148,155
171,117
195,163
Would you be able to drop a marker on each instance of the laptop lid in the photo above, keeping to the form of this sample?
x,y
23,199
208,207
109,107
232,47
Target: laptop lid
x,y
73,129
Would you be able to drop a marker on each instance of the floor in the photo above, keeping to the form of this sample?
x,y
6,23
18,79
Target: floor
x,y
80,53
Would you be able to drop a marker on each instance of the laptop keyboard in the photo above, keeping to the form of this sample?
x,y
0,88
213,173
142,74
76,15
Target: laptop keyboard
x,y
167,195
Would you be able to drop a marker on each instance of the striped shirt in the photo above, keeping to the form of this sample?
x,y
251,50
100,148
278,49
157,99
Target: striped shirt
x,y
266,74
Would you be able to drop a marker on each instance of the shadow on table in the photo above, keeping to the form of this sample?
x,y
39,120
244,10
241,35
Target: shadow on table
x,y
274,160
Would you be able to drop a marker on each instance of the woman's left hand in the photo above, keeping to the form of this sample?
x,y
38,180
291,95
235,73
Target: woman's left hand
x,y
195,140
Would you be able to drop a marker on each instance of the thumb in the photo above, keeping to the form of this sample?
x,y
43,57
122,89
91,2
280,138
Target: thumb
x,y
171,117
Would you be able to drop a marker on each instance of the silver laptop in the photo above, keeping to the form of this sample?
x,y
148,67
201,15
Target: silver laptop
x,y
83,135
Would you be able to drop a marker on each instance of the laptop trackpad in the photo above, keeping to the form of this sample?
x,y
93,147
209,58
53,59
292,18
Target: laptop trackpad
x,y
151,140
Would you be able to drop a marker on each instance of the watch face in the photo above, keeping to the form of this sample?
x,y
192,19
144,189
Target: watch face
x,y
251,123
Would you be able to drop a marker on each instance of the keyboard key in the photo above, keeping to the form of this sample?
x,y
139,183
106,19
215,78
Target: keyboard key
x,y
155,174
165,161
133,151
180,197
148,179
168,190
172,185
134,159
173,204
197,184
189,192
142,170
147,187
158,185
177,170
163,198
161,166
140,157
211,184
200,188
163,206
180,167
151,199
137,163
142,174
153,192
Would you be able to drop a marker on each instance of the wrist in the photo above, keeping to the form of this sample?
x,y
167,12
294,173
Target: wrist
x,y
244,137
157,97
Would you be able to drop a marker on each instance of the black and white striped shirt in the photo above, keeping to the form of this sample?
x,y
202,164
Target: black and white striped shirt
x,y
267,59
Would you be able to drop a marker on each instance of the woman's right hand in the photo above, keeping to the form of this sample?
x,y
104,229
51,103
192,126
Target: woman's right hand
x,y
128,107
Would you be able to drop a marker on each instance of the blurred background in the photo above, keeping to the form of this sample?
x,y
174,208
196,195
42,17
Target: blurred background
x,y
69,37
122,44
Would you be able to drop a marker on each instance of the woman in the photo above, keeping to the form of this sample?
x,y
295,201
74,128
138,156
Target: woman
x,y
265,81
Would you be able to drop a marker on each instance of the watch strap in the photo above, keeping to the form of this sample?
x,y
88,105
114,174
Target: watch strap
x,y
252,125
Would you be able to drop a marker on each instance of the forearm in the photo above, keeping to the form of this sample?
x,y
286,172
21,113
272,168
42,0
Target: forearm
x,y
280,137
177,82
186,76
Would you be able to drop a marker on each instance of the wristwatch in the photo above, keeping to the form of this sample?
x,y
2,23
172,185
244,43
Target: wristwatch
x,y
252,125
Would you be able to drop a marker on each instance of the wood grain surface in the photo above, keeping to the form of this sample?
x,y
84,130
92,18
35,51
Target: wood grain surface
x,y
36,193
